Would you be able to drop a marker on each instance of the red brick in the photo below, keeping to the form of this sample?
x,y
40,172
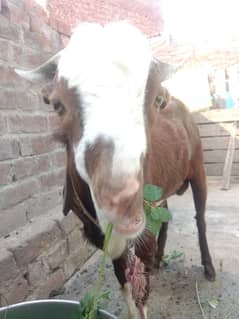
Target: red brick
x,y
32,166
8,267
14,99
18,3
6,52
15,290
6,173
75,239
32,145
54,121
36,24
14,217
57,254
59,158
65,40
22,168
9,30
72,264
15,13
43,163
9,148
10,79
44,40
69,223
21,56
64,28
49,36
3,124
32,40
13,194
43,235
35,8
77,258
52,179
53,22
38,271
46,200
54,282
29,58
25,123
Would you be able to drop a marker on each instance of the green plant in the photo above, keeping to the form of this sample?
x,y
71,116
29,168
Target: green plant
x,y
155,215
175,254
92,301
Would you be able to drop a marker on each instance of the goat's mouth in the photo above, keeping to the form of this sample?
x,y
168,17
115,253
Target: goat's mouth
x,y
131,227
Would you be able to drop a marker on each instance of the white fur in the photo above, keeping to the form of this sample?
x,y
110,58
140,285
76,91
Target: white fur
x,y
109,67
133,312
145,312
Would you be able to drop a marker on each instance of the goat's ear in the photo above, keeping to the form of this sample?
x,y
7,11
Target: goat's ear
x,y
44,72
165,70
68,193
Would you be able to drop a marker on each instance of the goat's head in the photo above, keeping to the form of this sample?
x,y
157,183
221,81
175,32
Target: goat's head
x,y
106,88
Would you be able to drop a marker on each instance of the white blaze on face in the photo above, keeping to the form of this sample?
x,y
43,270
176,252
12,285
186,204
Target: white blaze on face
x,y
109,66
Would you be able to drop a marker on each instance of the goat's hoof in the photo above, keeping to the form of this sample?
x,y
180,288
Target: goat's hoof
x,y
210,272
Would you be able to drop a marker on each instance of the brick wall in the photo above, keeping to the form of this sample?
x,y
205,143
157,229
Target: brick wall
x,y
35,262
145,14
31,163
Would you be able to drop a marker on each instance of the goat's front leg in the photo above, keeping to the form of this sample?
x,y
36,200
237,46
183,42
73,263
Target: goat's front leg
x,y
134,312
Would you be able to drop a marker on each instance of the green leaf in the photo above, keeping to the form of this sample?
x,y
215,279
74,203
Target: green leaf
x,y
161,213
152,225
152,193
147,209
155,213
175,254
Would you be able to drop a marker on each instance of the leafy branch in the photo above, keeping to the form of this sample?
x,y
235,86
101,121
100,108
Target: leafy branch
x,y
155,215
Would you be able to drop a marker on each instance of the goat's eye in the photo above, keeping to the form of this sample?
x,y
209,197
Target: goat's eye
x,y
59,108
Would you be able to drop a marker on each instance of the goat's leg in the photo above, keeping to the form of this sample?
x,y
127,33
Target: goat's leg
x,y
161,241
199,189
145,251
120,265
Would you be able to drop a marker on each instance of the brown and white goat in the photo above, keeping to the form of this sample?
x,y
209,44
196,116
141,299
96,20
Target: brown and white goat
x,y
122,130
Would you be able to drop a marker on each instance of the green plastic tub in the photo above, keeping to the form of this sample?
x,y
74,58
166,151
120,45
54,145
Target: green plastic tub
x,y
46,309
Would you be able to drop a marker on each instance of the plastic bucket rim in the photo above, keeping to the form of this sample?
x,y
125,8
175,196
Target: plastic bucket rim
x,y
73,302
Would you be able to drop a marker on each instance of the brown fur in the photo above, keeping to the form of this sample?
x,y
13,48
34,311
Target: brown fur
x,y
174,159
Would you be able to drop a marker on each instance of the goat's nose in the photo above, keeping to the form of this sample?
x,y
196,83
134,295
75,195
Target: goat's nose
x,y
127,193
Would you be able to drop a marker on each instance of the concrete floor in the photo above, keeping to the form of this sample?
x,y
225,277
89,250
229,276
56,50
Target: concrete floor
x,y
173,287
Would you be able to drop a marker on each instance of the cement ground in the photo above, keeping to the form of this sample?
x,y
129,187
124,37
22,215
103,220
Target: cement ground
x,y
173,294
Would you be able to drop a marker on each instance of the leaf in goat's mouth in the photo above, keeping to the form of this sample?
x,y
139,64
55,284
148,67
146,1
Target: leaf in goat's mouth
x,y
155,215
